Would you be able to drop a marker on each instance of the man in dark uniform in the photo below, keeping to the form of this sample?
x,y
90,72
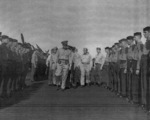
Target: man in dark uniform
x,y
115,67
105,70
130,61
110,72
137,53
6,65
10,45
122,56
144,72
25,65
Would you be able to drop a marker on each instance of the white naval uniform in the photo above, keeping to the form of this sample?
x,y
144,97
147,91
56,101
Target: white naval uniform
x,y
86,64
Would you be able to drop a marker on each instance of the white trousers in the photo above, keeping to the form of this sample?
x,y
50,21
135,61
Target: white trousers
x,y
85,72
62,70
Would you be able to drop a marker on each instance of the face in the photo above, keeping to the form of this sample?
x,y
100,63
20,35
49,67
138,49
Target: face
x,y
55,50
136,38
98,50
113,49
120,44
129,42
107,50
123,43
110,51
146,34
116,46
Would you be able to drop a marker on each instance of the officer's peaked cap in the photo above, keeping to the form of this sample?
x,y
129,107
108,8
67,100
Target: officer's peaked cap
x,y
65,42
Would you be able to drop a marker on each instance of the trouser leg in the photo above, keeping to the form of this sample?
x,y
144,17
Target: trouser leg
x,y
143,80
82,80
50,77
33,70
115,78
58,74
97,74
87,74
135,84
64,76
54,77
123,83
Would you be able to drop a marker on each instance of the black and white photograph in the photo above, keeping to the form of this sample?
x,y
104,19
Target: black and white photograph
x,y
74,59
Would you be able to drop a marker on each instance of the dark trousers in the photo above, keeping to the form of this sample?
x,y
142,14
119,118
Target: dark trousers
x,y
129,79
115,74
135,83
6,73
110,71
105,75
148,82
97,74
143,76
123,82
76,76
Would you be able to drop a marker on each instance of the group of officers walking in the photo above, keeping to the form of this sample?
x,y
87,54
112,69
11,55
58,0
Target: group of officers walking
x,y
124,70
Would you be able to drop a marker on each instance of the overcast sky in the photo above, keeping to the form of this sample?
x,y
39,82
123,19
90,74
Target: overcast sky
x,y
84,23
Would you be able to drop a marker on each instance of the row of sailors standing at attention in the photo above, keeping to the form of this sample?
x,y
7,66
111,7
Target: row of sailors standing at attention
x,y
127,67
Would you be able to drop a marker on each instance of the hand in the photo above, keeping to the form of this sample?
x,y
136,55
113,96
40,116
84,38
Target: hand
x,y
125,71
137,72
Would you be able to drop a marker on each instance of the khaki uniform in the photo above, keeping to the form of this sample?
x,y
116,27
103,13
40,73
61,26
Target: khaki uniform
x,y
85,68
64,60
